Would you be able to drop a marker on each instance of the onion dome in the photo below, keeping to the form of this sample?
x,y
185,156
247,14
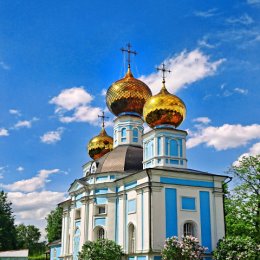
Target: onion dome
x,y
127,95
100,145
164,109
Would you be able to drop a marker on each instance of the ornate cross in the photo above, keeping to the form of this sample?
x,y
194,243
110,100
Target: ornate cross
x,y
164,70
103,118
129,51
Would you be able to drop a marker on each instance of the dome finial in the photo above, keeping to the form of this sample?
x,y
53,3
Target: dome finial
x,y
129,51
164,70
103,119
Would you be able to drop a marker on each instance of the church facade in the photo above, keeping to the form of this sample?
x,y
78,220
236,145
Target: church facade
x,y
137,190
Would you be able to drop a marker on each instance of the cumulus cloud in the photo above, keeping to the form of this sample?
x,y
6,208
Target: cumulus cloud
x,y
76,101
15,112
224,137
25,123
254,150
186,68
29,185
244,19
71,98
32,208
52,137
202,120
4,132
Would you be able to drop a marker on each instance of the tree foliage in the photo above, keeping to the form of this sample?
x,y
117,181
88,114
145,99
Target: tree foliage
x,y
7,227
54,224
102,249
186,249
28,238
242,205
237,248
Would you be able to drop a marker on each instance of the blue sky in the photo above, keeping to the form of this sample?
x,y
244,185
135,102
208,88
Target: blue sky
x,y
57,58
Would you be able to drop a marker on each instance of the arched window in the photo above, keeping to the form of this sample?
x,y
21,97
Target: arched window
x,y
100,233
135,135
131,239
189,229
123,135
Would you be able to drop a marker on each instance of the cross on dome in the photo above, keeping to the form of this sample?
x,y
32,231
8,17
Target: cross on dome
x,y
103,118
164,70
129,52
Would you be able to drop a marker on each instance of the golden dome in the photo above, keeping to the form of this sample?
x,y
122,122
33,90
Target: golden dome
x,y
127,95
100,145
164,109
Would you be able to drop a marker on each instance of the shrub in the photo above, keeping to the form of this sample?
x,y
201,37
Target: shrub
x,y
237,248
186,249
102,249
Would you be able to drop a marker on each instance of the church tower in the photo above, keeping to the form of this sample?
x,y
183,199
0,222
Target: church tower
x,y
164,146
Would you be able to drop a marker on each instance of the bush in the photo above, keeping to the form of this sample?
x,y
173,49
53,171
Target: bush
x,y
237,248
187,249
102,249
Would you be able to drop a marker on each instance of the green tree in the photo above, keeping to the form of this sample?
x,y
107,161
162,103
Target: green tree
x,y
7,227
102,249
242,205
236,248
54,224
28,238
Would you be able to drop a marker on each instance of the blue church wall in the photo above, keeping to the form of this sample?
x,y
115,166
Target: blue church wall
x,y
78,202
188,203
55,252
76,240
101,200
100,222
130,185
101,191
131,206
171,212
184,182
157,257
205,219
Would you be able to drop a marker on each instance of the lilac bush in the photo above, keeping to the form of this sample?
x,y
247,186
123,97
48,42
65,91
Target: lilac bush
x,y
186,249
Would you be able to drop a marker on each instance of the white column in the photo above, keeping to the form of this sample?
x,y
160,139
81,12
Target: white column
x,y
110,219
139,223
121,220
83,224
90,220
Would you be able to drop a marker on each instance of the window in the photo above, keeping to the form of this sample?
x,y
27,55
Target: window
x,y
135,135
123,135
189,229
131,239
131,206
102,210
78,214
100,233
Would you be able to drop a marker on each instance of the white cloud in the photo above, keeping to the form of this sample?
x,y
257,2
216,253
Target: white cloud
x,y
186,68
71,98
4,66
20,169
206,14
254,150
25,123
15,112
224,137
202,120
204,43
4,132
244,19
103,92
76,100
32,208
52,137
30,185
241,91
2,171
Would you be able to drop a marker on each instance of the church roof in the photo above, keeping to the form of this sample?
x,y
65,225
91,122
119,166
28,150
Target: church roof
x,y
124,158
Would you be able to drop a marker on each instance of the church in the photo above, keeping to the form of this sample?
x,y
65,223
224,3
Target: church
x,y
137,190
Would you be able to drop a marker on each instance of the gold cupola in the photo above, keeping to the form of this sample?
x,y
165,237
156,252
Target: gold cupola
x,y
127,95
100,144
164,109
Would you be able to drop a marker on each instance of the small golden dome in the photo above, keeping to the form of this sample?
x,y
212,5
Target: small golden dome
x,y
127,95
100,145
164,109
